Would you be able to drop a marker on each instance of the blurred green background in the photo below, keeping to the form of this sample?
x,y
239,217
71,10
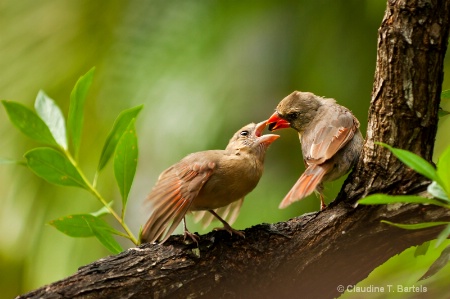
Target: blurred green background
x,y
203,69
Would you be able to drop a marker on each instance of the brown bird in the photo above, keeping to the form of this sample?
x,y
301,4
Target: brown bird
x,y
330,138
215,181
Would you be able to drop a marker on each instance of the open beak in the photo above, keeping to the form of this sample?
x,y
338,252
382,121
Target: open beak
x,y
275,122
264,139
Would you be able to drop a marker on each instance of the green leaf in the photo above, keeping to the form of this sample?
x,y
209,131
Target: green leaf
x,y
87,225
445,101
119,127
415,162
50,113
29,123
438,264
53,167
416,225
381,199
107,240
77,99
442,113
444,234
10,161
422,249
74,225
125,161
437,191
445,94
443,170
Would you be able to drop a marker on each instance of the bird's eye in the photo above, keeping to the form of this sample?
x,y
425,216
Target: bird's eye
x,y
292,115
244,133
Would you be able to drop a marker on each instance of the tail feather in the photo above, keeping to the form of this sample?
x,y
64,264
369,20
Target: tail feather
x,y
305,185
228,213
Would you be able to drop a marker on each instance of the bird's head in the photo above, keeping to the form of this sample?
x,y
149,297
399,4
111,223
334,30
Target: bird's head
x,y
250,139
296,110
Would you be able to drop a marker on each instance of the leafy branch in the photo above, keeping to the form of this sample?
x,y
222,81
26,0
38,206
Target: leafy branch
x,y
439,189
58,161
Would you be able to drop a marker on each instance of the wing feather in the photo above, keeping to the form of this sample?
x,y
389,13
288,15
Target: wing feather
x,y
172,196
329,138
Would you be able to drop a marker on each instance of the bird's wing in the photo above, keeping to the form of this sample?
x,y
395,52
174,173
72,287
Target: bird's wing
x,y
172,196
229,213
329,136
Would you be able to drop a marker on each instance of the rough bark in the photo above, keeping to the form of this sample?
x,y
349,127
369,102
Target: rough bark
x,y
310,256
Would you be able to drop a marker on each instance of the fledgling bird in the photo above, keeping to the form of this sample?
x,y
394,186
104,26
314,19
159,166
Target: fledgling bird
x,y
330,139
215,181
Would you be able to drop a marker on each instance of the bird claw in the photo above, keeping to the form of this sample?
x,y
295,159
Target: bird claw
x,y
193,237
231,230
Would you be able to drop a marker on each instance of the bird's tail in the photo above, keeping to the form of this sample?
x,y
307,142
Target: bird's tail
x,y
305,185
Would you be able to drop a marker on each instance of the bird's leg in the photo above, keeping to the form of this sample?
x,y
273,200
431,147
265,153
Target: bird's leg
x,y
319,191
226,226
322,202
187,233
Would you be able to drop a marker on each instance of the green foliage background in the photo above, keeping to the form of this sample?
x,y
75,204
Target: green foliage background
x,y
203,69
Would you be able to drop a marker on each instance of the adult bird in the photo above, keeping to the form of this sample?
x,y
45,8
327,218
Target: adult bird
x,y
330,139
213,181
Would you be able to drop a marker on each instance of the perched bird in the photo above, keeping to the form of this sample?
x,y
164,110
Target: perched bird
x,y
215,181
330,138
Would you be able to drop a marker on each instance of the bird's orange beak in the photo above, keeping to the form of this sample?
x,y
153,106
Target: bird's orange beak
x,y
275,122
264,139
260,127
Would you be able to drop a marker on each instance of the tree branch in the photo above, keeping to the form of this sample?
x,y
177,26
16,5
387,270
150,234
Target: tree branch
x,y
314,253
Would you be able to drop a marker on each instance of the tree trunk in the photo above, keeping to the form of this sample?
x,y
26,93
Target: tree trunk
x,y
412,42
312,255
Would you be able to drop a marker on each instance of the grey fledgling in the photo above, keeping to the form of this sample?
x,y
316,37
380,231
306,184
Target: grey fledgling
x,y
330,139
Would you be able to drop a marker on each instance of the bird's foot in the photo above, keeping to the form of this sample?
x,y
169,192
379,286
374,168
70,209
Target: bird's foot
x,y
231,230
322,203
193,237
226,226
